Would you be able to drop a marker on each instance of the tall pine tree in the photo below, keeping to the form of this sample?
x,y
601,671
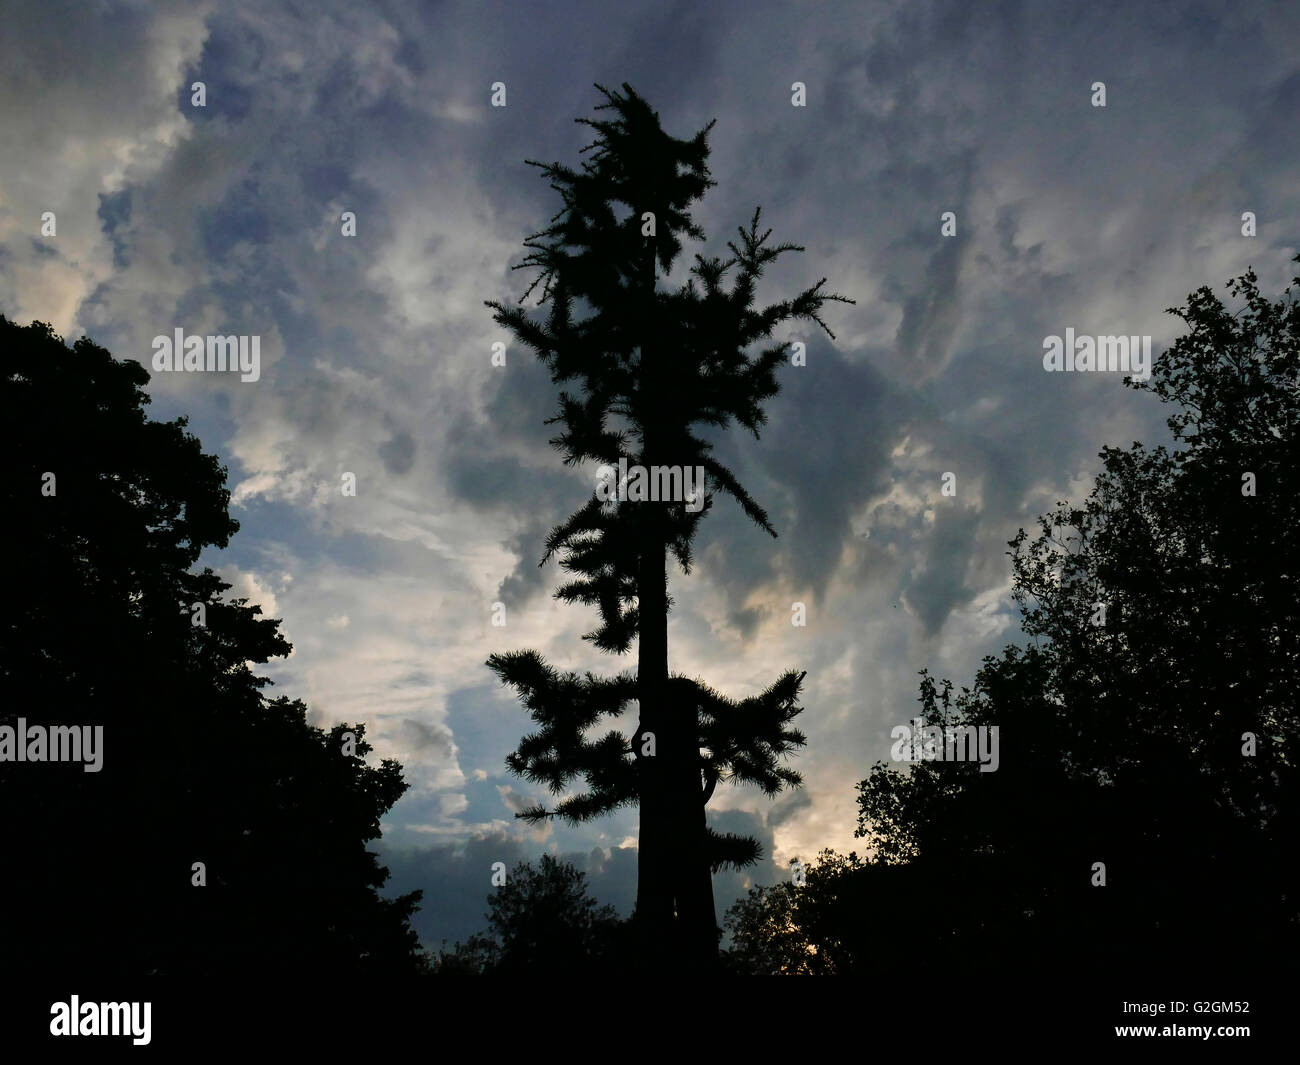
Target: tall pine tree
x,y
650,365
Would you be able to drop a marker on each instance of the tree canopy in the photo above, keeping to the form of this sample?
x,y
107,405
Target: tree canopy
x,y
540,920
106,622
1144,809
642,370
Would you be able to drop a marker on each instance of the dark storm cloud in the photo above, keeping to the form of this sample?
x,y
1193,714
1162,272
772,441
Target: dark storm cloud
x,y
398,454
932,315
824,453
115,211
456,879
487,469
528,577
228,67
830,453
784,809
732,884
941,585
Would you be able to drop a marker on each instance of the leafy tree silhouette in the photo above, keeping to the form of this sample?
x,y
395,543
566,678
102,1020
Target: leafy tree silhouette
x,y
1160,742
787,930
198,764
649,365
540,920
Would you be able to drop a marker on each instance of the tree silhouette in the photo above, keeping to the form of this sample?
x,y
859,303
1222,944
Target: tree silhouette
x,y
199,766
785,929
648,365
1156,735
540,920
1157,738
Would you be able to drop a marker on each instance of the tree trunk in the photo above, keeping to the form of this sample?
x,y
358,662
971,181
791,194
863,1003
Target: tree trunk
x,y
675,907
692,875
654,897
654,894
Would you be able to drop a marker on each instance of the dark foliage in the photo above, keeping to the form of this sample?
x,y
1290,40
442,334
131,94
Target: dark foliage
x,y
96,628
1161,742
642,371
541,920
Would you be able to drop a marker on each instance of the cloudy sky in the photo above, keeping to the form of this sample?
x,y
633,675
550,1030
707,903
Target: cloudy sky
x,y
376,349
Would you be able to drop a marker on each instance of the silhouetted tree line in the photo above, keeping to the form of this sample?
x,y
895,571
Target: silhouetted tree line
x,y
541,920
1155,739
1150,743
105,513
1161,742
